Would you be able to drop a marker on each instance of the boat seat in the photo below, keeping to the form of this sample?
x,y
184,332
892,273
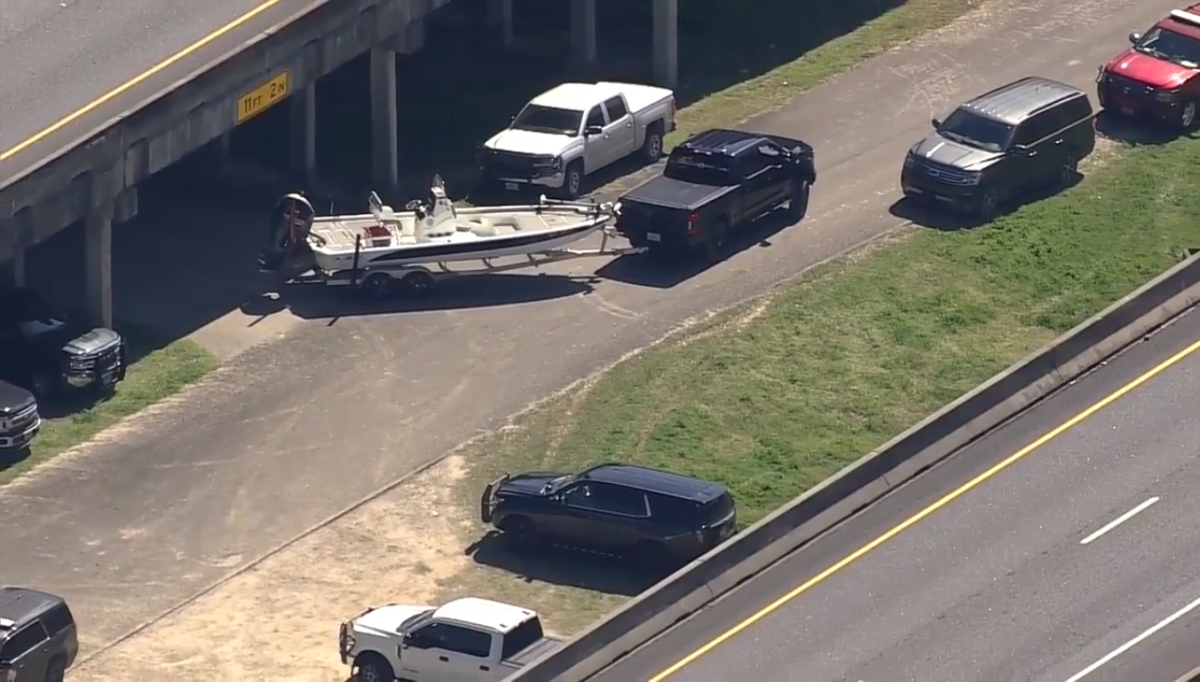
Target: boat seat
x,y
480,226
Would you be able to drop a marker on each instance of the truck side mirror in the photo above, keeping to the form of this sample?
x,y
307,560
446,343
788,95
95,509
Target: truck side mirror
x,y
935,122
593,130
1135,37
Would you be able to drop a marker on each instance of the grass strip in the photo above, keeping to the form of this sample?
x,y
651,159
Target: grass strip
x,y
775,398
156,375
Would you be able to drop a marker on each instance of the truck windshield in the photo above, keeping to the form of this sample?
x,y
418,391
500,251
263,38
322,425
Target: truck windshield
x,y
702,169
538,119
1171,46
974,130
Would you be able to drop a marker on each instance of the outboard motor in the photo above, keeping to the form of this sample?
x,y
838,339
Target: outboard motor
x,y
291,221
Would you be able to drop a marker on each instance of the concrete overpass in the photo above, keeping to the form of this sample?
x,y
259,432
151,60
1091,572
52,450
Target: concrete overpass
x,y
81,155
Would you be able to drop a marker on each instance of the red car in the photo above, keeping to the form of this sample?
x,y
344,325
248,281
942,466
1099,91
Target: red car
x,y
1159,76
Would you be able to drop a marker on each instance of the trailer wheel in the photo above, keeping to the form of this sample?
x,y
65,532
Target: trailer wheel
x,y
416,283
377,285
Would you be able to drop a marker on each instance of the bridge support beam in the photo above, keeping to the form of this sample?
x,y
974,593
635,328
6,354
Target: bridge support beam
x,y
666,42
98,253
304,134
385,147
500,20
583,32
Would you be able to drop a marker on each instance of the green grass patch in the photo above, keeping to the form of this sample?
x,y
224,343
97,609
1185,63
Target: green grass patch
x,y
772,400
155,375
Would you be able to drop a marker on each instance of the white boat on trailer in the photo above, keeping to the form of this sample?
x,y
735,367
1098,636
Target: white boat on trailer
x,y
384,251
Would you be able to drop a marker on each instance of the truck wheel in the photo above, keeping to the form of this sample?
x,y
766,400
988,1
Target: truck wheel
x,y
1068,170
718,241
989,206
56,671
572,181
798,200
1187,117
652,147
520,533
373,668
377,285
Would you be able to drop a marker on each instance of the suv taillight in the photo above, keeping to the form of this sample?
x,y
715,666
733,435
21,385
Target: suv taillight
x,y
693,224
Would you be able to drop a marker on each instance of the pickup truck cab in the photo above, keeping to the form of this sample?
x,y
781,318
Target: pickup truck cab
x,y
465,640
1158,77
575,129
713,184
49,354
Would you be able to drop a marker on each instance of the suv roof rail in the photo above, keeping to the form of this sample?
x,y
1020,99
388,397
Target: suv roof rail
x,y
1186,17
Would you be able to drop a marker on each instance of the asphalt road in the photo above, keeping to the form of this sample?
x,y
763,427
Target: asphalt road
x,y
1077,562
293,431
57,57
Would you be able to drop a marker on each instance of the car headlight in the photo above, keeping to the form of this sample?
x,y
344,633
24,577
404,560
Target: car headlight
x,y
557,163
1166,95
909,162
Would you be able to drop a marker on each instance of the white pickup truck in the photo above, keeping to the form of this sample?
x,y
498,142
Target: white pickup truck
x,y
574,130
463,641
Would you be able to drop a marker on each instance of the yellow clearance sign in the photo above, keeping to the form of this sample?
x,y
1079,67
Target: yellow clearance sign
x,y
263,97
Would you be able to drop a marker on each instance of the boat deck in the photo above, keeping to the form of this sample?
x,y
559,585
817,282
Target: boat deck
x,y
342,233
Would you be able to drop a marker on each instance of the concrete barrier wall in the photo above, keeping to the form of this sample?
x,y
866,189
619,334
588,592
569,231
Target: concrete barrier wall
x,y
872,476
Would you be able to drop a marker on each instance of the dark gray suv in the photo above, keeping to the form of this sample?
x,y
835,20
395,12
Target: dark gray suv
x,y
38,641
1028,135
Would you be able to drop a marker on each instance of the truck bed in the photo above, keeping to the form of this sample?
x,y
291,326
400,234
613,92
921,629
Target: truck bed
x,y
665,192
531,653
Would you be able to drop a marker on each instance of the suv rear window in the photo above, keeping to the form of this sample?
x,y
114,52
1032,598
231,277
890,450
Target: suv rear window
x,y
682,513
57,619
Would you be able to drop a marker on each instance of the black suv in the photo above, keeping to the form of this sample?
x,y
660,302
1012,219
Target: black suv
x,y
1029,134
38,641
661,517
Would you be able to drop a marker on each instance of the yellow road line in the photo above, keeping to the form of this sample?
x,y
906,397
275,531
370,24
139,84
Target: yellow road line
x,y
921,515
134,82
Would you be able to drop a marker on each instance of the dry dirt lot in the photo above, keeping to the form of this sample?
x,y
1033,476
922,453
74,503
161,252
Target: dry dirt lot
x,y
279,620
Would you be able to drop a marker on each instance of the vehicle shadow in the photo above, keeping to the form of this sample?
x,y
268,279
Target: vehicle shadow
x,y
563,566
11,458
1136,133
667,271
935,217
309,298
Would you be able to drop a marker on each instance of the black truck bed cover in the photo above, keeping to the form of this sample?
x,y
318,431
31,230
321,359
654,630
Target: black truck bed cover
x,y
668,193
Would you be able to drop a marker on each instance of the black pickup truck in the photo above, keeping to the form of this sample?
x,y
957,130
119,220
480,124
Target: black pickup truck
x,y
713,184
19,418
50,354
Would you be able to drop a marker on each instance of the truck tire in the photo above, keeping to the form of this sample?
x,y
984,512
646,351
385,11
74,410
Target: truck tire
x,y
1188,116
373,668
572,185
56,671
717,244
798,200
520,533
652,146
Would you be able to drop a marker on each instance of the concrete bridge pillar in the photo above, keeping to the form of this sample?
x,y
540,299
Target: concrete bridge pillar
x,y
304,134
666,42
500,20
99,263
583,32
385,147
